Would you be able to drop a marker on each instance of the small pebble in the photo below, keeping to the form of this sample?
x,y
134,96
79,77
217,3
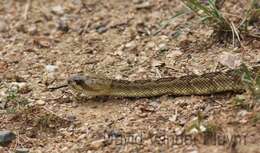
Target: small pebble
x,y
95,145
22,150
58,9
77,2
179,131
51,68
231,60
6,137
137,1
40,102
81,137
144,5
163,47
150,45
101,29
32,30
242,113
21,87
63,25
71,118
131,45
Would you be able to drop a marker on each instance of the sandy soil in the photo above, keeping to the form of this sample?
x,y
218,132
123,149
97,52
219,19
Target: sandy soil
x,y
42,43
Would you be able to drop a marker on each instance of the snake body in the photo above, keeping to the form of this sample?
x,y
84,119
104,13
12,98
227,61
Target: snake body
x,y
208,83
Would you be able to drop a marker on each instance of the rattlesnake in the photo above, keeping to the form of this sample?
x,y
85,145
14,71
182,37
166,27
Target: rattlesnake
x,y
209,83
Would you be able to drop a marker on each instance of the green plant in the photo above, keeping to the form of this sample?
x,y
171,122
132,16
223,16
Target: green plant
x,y
14,100
11,110
12,93
223,27
199,126
252,14
240,101
251,81
208,13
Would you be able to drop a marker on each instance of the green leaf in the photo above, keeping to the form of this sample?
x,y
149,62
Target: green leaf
x,y
246,75
257,88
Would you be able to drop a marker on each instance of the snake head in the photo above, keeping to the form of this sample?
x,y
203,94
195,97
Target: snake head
x,y
89,85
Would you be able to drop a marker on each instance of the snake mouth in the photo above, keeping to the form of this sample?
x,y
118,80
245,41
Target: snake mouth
x,y
77,83
82,83
76,80
90,85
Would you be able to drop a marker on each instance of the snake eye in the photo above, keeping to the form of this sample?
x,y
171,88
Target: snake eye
x,y
78,80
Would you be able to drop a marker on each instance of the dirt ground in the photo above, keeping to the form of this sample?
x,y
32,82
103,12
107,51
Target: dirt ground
x,y
42,43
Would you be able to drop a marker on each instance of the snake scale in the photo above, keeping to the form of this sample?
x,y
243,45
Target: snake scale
x,y
208,83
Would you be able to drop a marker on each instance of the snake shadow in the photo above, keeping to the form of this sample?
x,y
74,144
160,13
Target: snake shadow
x,y
107,101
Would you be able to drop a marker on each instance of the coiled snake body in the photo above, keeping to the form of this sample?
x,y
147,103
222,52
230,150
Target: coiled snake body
x,y
208,83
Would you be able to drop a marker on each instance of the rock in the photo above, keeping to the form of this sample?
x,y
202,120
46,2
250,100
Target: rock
x,y
3,26
51,68
137,1
42,42
64,149
21,87
144,5
242,113
10,76
40,102
193,131
179,131
63,25
77,2
58,9
131,45
81,137
150,45
173,118
194,151
163,47
231,60
3,103
6,137
32,30
101,29
156,63
25,89
22,150
174,53
72,118
3,98
95,145
256,44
